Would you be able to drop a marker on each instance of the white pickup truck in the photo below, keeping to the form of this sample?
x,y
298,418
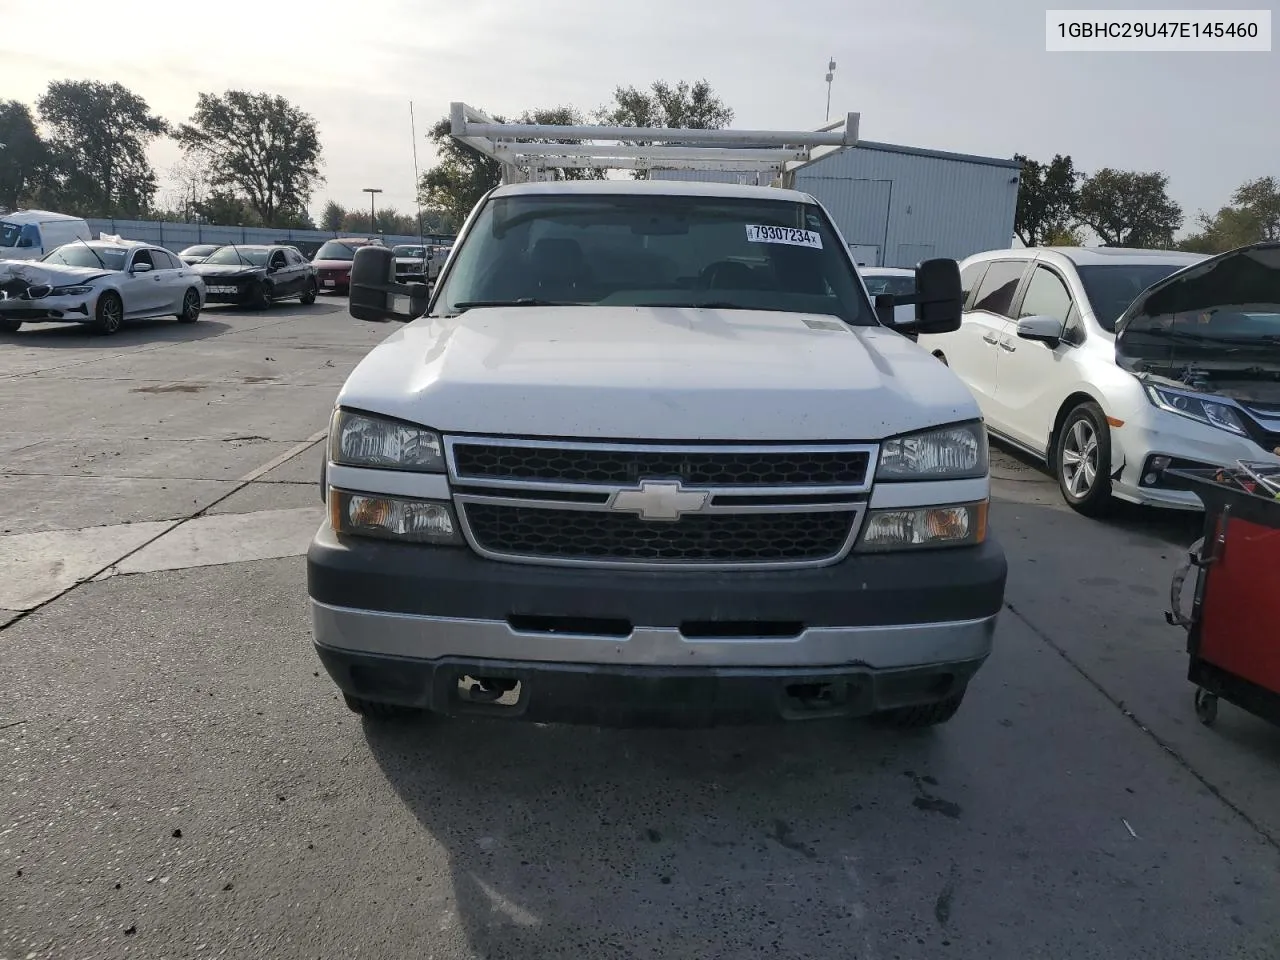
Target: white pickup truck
x,y
649,455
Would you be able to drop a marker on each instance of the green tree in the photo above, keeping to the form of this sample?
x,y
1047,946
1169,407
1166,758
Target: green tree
x,y
221,207
1047,198
692,106
463,175
689,106
24,158
261,147
1127,208
99,134
332,217
1252,215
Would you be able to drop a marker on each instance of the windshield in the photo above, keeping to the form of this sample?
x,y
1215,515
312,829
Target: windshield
x,y
201,251
1111,288
418,252
333,250
245,256
899,286
9,233
86,255
654,250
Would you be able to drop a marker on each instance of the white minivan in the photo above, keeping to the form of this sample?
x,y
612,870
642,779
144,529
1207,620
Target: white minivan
x,y
30,234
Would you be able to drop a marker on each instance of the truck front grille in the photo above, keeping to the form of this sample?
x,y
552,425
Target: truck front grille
x,y
540,533
756,467
640,505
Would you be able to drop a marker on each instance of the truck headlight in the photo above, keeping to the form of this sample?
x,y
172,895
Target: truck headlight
x,y
392,518
1201,409
957,452
957,525
364,440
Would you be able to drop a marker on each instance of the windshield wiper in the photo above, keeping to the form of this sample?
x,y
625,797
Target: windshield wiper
x,y
518,302
704,305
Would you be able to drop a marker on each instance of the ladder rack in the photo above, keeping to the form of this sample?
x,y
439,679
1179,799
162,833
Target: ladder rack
x,y
773,155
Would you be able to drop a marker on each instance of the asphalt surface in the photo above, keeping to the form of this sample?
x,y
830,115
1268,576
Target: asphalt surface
x,y
178,777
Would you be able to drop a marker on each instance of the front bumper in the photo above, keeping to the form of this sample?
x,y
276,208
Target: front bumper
x,y
404,624
1188,444
49,309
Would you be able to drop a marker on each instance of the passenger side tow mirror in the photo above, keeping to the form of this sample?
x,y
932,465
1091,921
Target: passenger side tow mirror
x,y
939,298
1047,330
375,296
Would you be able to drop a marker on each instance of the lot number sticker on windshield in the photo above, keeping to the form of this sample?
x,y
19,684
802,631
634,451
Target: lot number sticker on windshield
x,y
796,238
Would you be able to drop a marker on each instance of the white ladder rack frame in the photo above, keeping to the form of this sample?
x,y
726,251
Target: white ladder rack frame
x,y
773,155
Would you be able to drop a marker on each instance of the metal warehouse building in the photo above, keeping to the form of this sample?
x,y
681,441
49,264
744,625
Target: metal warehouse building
x,y
899,205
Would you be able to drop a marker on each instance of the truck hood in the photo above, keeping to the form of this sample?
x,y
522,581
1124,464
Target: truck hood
x,y
656,373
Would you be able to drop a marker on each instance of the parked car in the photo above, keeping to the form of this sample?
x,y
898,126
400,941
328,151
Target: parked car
x,y
258,275
649,452
31,234
104,283
411,263
197,254
896,281
1112,365
333,261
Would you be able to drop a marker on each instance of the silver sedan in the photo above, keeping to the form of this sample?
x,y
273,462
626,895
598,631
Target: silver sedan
x,y
102,283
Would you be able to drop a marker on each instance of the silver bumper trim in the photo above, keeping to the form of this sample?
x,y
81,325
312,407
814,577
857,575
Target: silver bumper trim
x,y
431,638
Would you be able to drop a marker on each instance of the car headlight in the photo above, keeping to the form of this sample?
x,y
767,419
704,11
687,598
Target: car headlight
x,y
80,290
364,440
392,518
956,452
901,528
1201,409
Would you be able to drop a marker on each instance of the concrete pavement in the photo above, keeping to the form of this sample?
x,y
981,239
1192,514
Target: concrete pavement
x,y
181,779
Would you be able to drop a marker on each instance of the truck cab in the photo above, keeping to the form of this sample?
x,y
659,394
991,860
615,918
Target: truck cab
x,y
649,453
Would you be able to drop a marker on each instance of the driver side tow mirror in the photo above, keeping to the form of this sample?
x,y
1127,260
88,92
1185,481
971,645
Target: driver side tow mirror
x,y
1046,330
939,299
374,294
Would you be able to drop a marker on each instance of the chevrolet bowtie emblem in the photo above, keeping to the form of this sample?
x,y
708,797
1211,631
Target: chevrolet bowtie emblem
x,y
659,500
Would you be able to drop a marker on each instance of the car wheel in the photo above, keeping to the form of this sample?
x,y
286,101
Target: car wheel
x,y
918,717
309,295
378,711
260,296
1082,460
190,307
108,317
10,326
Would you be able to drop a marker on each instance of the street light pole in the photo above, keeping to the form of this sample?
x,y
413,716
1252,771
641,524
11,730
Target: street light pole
x,y
373,217
831,72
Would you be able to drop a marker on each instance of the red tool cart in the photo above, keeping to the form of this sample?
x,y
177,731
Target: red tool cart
x,y
1234,624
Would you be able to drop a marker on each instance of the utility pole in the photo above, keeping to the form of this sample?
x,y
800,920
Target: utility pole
x,y
373,217
831,73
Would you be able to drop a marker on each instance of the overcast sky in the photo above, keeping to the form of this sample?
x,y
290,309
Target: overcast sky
x,y
971,76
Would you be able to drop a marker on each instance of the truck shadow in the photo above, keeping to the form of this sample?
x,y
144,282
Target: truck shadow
x,y
77,336
647,843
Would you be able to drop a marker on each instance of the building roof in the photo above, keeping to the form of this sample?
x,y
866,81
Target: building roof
x,y
666,188
938,154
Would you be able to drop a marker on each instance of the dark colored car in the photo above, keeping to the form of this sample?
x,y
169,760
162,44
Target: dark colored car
x,y
333,261
258,275
197,254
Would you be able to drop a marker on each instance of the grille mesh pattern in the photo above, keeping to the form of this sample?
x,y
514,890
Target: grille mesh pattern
x,y
732,468
602,536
